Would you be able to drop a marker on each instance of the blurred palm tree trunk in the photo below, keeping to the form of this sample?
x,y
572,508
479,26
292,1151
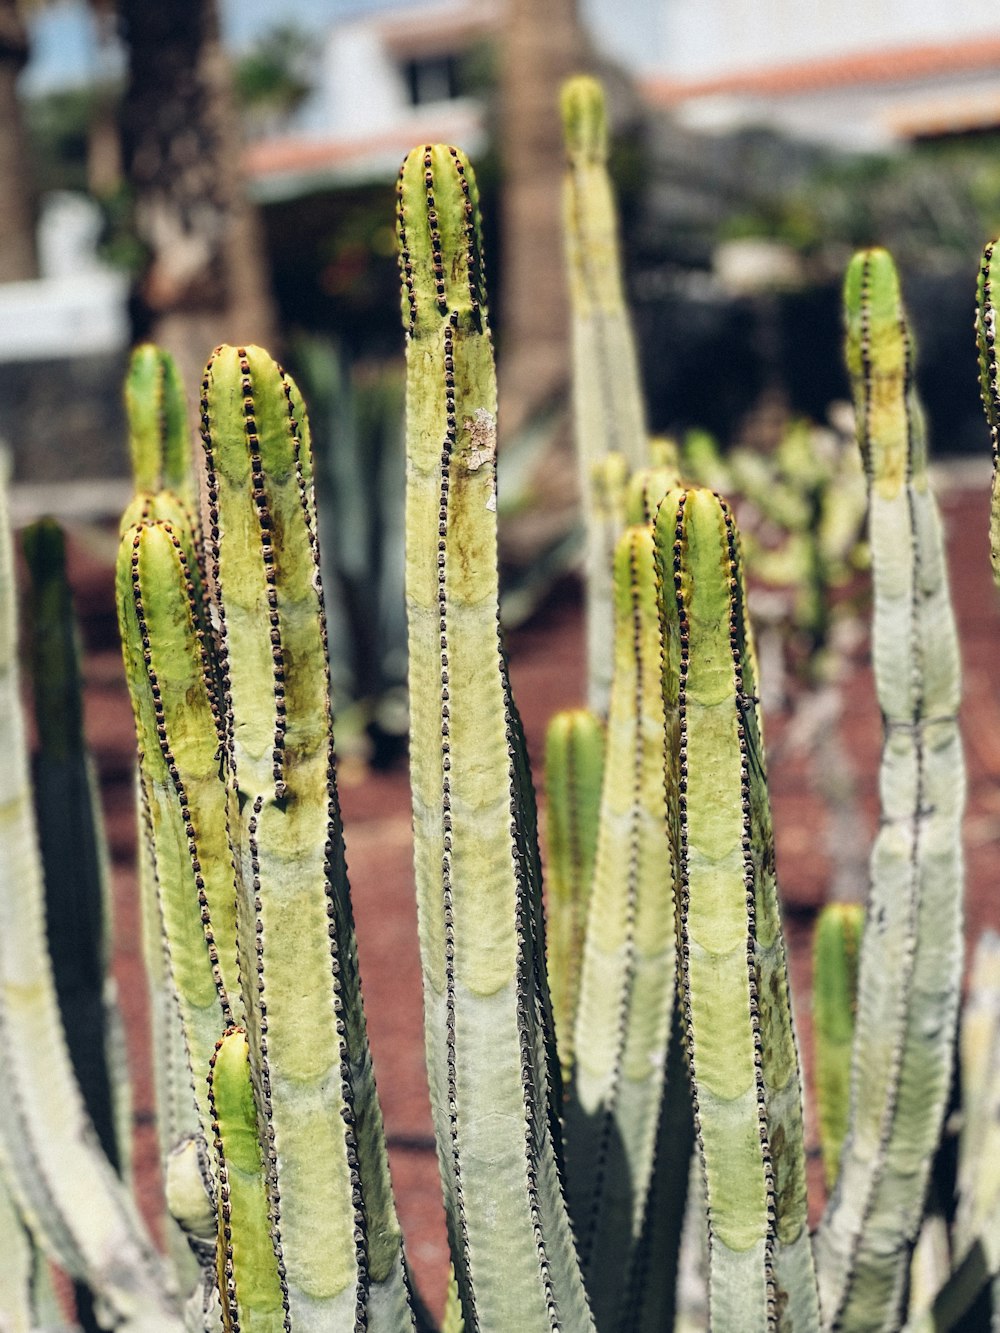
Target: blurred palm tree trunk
x,y
543,45
206,279
18,255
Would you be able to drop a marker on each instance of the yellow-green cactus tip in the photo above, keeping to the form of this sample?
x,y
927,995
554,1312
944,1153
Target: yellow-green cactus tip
x,y
584,120
440,239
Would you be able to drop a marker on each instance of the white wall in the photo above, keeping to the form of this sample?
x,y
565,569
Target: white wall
x,y
703,38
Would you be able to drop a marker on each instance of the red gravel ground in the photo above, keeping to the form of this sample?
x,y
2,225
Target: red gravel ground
x,y
547,674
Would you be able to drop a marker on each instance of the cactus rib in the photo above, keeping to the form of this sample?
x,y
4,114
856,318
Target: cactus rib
x,y
574,764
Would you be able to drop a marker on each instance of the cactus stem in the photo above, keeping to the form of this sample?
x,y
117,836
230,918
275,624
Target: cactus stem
x,y
168,757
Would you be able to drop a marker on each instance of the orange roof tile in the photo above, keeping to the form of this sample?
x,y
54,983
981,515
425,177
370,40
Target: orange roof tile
x,y
891,65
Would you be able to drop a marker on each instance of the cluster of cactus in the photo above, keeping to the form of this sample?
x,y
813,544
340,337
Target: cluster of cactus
x,y
577,1061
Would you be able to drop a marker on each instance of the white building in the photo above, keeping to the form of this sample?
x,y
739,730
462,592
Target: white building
x,y
387,81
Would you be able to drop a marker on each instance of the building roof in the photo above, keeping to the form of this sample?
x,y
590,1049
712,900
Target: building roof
x,y
891,65
282,168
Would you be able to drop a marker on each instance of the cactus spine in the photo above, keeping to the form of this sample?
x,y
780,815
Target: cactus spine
x,y
734,985
911,953
487,1014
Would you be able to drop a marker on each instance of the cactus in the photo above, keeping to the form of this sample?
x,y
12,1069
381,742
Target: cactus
x,y
574,766
836,942
609,417
627,982
240,781
487,1014
71,842
989,387
734,986
275,1154
64,1187
911,954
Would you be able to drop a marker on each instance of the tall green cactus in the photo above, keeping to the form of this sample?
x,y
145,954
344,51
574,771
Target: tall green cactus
x,y
236,743
911,956
836,945
490,1054
608,411
71,841
627,983
734,984
574,767
76,1207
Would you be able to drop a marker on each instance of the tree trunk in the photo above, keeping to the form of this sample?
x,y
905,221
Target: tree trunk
x,y
543,45
205,282
18,255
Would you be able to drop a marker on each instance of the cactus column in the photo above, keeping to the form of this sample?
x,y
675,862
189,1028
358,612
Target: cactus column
x,y
734,983
488,1025
911,952
238,765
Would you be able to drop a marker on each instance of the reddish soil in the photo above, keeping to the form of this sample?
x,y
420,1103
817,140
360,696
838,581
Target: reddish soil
x,y
547,674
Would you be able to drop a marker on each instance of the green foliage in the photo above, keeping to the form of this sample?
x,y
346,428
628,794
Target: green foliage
x,y
931,202
274,78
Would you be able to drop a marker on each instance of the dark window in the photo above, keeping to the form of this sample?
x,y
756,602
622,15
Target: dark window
x,y
431,79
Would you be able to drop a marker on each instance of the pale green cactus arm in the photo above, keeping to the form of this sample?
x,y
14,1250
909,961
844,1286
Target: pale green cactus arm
x,y
486,1009
836,945
628,978
604,499
177,1120
911,955
177,736
159,432
989,387
979,1053
254,1301
64,1187
609,417
18,1260
334,1224
734,986
607,395
72,845
976,1251
574,765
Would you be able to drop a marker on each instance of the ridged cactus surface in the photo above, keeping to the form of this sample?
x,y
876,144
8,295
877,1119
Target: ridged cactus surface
x,y
733,976
608,411
627,983
911,956
490,1053
235,732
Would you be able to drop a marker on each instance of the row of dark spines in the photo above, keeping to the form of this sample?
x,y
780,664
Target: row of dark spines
x,y
986,330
